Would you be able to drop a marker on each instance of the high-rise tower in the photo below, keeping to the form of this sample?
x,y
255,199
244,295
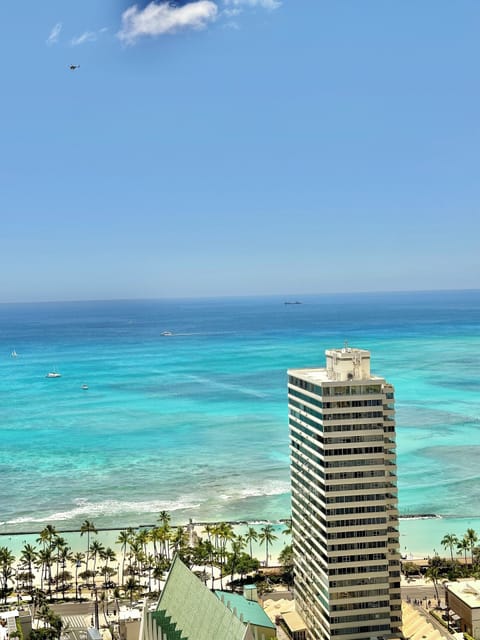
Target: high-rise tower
x,y
344,499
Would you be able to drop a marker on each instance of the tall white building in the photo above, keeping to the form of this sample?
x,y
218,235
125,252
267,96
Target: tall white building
x,y
344,499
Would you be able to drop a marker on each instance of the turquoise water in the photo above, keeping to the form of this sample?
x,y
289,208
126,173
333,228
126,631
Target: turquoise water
x,y
196,423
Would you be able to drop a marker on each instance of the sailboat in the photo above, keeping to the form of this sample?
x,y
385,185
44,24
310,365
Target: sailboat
x,y
14,354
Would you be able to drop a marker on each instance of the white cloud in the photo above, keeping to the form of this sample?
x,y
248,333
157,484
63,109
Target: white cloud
x,y
265,4
54,33
159,18
86,36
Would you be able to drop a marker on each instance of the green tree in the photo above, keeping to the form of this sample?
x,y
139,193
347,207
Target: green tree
x,y
124,538
433,574
28,557
462,547
88,527
143,537
57,545
286,560
52,623
47,535
449,541
238,544
288,527
164,518
65,555
251,536
96,550
267,537
409,568
131,587
155,538
179,540
159,570
45,561
6,571
108,555
472,538
165,536
78,559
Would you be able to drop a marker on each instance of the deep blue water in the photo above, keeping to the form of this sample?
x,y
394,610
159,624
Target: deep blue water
x,y
196,423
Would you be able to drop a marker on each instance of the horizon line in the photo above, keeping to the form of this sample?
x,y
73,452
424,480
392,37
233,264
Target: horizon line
x,y
240,296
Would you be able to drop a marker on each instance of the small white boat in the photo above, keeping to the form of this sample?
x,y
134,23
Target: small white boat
x,y
167,333
53,374
84,387
14,354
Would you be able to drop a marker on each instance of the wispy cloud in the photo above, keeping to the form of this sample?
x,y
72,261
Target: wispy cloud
x,y
265,4
54,34
159,18
86,36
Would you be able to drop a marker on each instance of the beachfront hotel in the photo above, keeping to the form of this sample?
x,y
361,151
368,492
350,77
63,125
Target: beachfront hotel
x,y
344,499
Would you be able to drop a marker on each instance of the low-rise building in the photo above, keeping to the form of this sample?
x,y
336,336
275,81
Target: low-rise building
x,y
463,599
188,610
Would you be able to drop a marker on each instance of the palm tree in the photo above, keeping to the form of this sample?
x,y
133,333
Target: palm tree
x,y
78,558
136,552
47,535
164,518
107,555
28,557
238,544
87,527
288,527
158,571
124,538
225,533
208,530
45,559
286,560
65,555
6,571
449,541
96,550
179,540
130,587
250,536
143,537
155,537
164,536
267,536
471,537
433,573
463,547
56,545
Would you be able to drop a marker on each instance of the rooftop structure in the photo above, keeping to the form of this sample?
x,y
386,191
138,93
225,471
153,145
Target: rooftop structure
x,y
188,610
248,611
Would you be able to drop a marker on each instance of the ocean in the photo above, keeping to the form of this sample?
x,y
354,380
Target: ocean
x,y
195,423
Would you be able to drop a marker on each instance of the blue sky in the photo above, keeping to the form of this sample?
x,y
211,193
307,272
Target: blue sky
x,y
236,147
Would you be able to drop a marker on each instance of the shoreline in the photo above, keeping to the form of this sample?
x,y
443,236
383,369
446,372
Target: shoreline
x,y
194,523
420,534
203,523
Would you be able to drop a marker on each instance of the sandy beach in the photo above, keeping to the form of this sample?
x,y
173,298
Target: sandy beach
x,y
109,538
419,537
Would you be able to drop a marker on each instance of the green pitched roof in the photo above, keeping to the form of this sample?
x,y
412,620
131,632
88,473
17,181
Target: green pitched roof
x,y
188,610
250,610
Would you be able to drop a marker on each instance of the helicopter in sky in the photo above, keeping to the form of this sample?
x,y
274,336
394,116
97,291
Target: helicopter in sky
x,y
72,67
